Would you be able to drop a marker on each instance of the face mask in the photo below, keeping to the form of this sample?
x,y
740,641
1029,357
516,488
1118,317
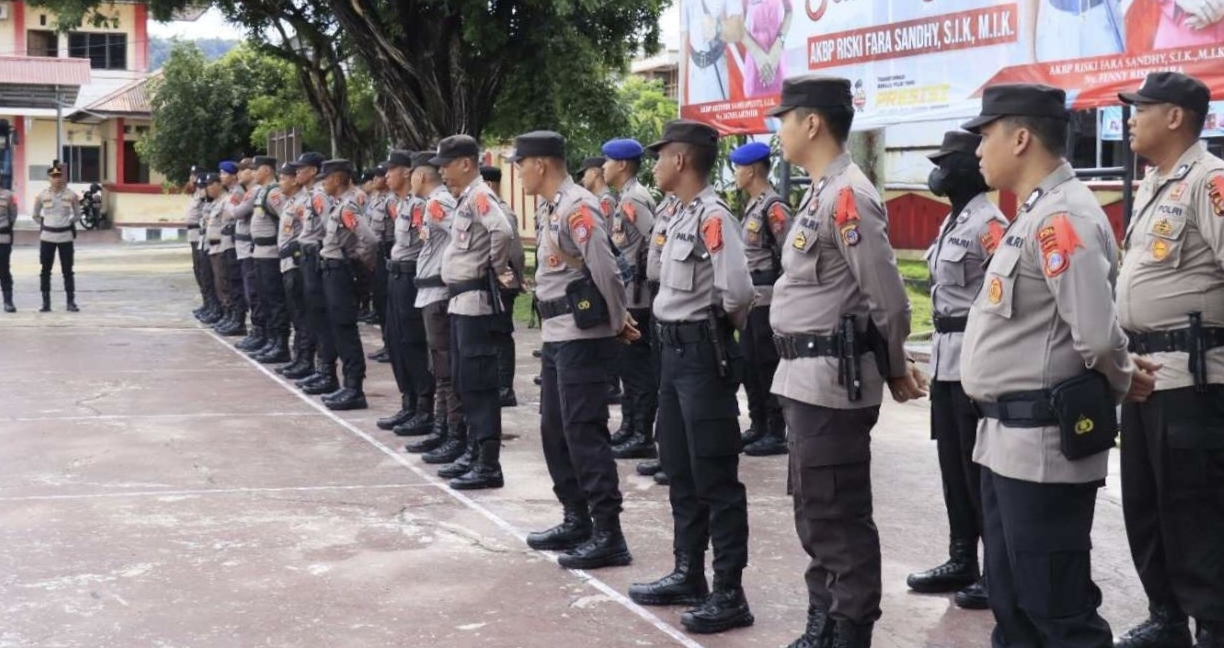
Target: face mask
x,y
938,181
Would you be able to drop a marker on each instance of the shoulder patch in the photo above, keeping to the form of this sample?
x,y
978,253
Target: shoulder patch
x,y
348,218
319,203
630,211
712,234
436,211
1058,242
1215,190
847,209
607,206
481,201
992,237
777,219
393,209
582,224
418,214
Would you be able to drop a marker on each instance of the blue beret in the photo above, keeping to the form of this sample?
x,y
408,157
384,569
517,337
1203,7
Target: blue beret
x,y
622,149
750,153
229,167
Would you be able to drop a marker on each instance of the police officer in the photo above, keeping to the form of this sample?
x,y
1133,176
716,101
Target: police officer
x,y
705,294
291,212
269,201
192,219
509,294
591,174
382,223
203,203
347,241
967,237
654,263
840,318
244,250
236,323
449,440
1045,318
475,267
581,303
8,216
1171,304
764,226
405,328
318,205
57,210
214,243
631,223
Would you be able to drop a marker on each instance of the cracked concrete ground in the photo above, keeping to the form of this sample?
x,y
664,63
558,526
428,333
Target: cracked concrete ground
x,y
160,490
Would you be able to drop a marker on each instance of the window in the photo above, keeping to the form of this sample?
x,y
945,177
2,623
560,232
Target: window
x,y
84,163
134,169
104,51
40,42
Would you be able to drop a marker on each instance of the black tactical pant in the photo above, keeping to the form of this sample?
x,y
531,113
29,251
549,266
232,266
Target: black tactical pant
x,y
236,286
640,373
830,481
379,289
250,290
474,344
46,257
761,359
438,336
699,444
954,428
316,307
405,336
1038,557
216,262
574,424
272,296
1173,498
340,292
6,269
505,346
295,303
200,265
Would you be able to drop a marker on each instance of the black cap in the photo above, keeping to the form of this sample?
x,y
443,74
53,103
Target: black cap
x,y
538,144
1019,100
424,158
263,160
490,174
289,168
455,147
596,162
336,166
813,91
210,178
312,159
400,158
1172,88
956,141
686,132
380,171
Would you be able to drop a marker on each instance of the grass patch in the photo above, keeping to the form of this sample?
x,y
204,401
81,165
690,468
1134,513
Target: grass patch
x,y
913,269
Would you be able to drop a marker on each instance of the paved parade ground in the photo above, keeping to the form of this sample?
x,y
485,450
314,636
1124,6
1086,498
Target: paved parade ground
x,y
158,488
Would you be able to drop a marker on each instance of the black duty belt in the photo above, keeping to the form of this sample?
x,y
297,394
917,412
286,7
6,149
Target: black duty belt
x,y
264,240
460,287
292,248
432,281
310,249
214,241
332,264
1020,409
191,227
6,230
246,238
950,324
402,267
57,230
551,308
678,333
764,277
806,345
1171,341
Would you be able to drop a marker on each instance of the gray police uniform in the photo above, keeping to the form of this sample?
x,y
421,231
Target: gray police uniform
x,y
404,327
57,213
264,224
292,213
432,298
382,223
244,252
318,206
199,259
8,216
347,240
232,205
215,243
632,224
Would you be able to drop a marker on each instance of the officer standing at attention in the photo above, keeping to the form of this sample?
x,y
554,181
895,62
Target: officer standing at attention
x,y
509,294
1045,363
200,204
192,219
969,235
449,440
1171,304
236,324
57,210
8,216
382,222
245,250
706,294
592,179
581,302
291,214
314,219
405,328
347,242
632,221
840,318
214,243
265,221
475,267
766,221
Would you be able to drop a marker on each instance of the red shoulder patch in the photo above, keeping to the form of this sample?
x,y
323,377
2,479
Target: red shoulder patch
x,y
319,203
1216,192
847,209
277,199
348,218
393,209
630,211
777,219
712,233
418,214
582,224
1058,242
482,203
992,237
436,211
606,206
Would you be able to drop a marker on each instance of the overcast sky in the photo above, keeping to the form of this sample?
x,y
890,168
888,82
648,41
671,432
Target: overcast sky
x,y
213,25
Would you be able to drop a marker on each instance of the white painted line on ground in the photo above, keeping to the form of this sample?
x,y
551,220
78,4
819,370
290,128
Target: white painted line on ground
x,y
607,590
207,491
124,417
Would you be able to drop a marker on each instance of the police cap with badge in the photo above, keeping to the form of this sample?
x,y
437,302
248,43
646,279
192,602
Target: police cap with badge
x,y
814,91
1171,88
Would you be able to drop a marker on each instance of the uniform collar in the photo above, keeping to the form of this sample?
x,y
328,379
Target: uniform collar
x,y
1184,164
836,167
972,206
1061,174
567,185
436,190
629,185
707,195
476,183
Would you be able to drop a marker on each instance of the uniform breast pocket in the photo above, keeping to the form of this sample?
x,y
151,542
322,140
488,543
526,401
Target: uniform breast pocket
x,y
950,267
1165,241
463,233
679,266
998,291
801,259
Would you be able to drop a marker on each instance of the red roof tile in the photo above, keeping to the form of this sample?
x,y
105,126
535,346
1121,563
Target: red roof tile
x,y
43,71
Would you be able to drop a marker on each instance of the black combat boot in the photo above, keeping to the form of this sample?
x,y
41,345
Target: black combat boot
x,y
605,548
406,411
1166,627
8,301
819,631
1210,635
435,439
614,393
214,315
685,585
464,463
227,318
959,572
452,451
575,529
507,397
755,431
974,597
662,479
254,340
649,468
279,352
725,608
640,445
72,307
421,422
623,433
852,635
300,368
486,472
204,312
324,381
351,397
774,440
46,305
269,343
377,354
236,326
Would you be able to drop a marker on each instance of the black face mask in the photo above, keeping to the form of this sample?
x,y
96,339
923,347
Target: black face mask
x,y
938,181
955,182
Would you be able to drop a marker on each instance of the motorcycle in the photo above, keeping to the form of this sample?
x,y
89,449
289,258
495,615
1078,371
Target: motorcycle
x,y
92,216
